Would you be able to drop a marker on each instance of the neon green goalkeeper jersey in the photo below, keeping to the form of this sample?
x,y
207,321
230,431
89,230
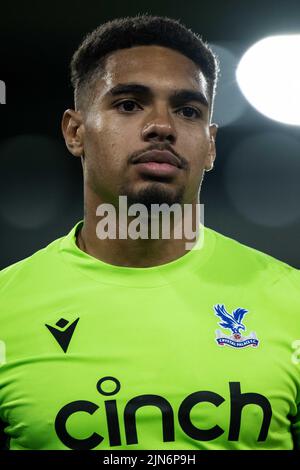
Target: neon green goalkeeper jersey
x,y
199,353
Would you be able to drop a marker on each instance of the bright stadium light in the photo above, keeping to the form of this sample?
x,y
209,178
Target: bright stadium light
x,y
269,76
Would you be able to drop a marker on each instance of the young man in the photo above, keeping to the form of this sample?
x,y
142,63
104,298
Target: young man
x,y
138,343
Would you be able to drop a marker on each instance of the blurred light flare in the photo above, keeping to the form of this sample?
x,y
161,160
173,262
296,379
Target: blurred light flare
x,y
268,75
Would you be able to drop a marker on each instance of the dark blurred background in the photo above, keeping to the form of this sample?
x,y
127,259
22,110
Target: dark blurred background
x,y
252,195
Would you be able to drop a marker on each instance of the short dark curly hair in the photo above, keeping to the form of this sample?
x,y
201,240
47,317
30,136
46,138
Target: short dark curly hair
x,y
89,59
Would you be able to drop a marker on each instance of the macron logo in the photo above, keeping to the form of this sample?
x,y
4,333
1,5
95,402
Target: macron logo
x,y
64,333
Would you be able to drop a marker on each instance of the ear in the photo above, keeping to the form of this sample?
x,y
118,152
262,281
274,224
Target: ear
x,y
73,130
209,161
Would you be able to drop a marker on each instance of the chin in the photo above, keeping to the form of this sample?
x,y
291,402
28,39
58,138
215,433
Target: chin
x,y
155,193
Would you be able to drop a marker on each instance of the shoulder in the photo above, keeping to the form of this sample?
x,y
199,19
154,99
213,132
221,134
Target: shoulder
x,y
241,263
44,264
30,268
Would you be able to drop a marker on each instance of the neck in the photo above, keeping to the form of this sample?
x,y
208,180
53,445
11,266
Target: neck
x,y
122,249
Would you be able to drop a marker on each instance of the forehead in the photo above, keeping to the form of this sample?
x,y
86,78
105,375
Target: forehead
x,y
156,66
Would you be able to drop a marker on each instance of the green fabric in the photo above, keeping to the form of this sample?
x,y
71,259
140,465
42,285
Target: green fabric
x,y
154,331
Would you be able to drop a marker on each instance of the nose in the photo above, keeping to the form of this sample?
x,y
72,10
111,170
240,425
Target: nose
x,y
159,126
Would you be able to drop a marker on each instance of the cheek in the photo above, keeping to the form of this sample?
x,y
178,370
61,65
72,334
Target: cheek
x,y
198,150
96,140
104,134
105,153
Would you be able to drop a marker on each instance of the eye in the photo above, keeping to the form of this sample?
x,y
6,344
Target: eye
x,y
196,111
129,104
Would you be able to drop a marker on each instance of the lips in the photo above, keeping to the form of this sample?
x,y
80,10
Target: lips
x,y
158,156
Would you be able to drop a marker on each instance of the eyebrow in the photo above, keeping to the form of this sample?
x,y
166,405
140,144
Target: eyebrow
x,y
176,98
